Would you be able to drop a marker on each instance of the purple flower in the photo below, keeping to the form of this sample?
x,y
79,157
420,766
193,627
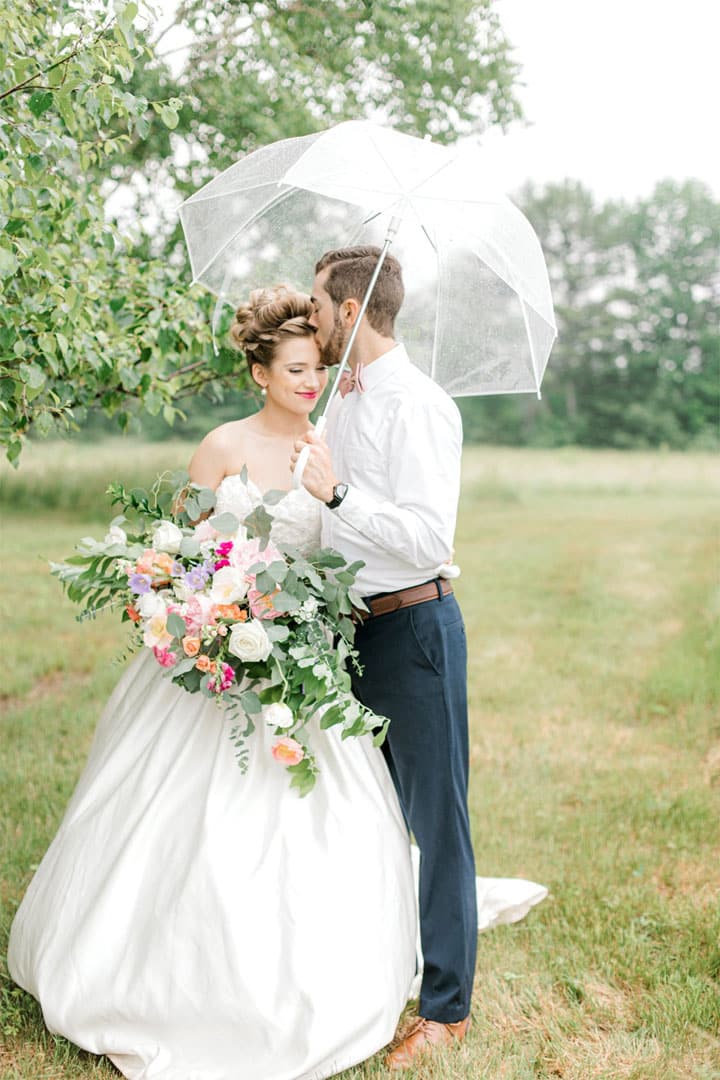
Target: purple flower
x,y
140,583
196,578
177,569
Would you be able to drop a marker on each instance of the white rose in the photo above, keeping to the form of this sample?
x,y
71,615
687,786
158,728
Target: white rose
x,y
228,586
151,604
278,715
115,535
248,641
167,537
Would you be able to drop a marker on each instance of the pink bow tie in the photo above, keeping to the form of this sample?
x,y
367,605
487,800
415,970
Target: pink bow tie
x,y
352,380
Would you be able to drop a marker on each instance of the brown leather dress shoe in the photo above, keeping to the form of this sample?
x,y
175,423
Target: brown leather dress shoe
x,y
423,1036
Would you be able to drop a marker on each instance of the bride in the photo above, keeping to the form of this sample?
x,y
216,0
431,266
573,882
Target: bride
x,y
193,923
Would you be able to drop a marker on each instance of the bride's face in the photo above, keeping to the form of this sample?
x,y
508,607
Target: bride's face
x,y
296,378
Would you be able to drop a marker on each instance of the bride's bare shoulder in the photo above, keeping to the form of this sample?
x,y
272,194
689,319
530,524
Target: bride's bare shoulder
x,y
218,452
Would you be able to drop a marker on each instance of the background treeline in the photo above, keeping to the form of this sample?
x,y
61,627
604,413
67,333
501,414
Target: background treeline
x,y
636,288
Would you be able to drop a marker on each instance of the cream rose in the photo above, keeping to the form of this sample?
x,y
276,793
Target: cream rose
x,y
167,537
229,585
278,715
248,641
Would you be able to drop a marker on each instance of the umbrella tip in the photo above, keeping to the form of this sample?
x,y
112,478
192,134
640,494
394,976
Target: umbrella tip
x,y
539,394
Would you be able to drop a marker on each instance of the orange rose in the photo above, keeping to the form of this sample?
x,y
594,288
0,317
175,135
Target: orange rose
x,y
230,611
191,646
203,663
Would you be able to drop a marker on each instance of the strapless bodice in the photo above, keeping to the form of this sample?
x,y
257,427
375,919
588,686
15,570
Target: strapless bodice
x,y
296,517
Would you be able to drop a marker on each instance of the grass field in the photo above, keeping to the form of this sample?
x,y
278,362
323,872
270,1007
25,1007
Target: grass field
x,y
591,594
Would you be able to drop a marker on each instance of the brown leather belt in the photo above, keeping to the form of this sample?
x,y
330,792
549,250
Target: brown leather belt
x,y
418,594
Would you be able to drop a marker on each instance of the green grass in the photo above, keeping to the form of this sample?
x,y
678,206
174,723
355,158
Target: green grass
x,y
590,589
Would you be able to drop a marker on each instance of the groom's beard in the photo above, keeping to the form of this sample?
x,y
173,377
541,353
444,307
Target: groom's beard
x,y
332,351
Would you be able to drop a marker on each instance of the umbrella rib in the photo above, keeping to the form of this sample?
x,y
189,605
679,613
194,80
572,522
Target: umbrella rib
x,y
244,225
224,194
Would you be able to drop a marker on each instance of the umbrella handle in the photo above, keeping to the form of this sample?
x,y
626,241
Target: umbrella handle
x,y
305,454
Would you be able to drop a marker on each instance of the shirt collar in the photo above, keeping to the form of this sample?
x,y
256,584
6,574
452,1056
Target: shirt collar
x,y
385,365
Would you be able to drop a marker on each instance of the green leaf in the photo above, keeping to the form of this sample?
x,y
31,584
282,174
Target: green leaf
x,y
169,117
8,262
176,626
251,702
225,523
40,102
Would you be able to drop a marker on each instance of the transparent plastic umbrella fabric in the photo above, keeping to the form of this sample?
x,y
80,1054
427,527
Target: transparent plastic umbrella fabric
x,y
478,313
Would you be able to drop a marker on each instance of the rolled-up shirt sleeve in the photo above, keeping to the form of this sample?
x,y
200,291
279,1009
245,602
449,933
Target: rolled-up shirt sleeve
x,y
417,523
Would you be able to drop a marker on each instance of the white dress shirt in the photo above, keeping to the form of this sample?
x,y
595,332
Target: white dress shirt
x,y
398,446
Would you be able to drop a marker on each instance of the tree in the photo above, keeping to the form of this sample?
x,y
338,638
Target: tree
x,y
96,319
635,288
85,320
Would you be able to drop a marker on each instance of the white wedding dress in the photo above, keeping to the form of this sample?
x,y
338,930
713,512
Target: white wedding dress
x,y
193,923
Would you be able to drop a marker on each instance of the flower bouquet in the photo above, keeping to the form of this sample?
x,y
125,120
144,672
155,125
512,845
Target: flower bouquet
x,y
262,630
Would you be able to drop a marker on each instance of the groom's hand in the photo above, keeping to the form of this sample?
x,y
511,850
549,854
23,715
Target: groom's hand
x,y
319,477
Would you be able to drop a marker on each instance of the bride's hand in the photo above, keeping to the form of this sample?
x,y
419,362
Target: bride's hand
x,y
319,477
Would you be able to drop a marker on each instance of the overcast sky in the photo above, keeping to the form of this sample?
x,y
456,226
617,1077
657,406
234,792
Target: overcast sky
x,y
621,93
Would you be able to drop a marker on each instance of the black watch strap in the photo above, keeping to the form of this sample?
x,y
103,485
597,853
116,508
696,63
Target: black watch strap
x,y
339,493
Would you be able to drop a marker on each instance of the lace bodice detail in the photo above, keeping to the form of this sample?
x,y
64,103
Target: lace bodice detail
x,y
296,518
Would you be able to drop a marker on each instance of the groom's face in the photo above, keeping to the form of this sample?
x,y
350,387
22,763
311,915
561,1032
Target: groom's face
x,y
330,332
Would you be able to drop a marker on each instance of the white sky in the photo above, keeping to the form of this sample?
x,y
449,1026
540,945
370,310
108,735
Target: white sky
x,y
620,93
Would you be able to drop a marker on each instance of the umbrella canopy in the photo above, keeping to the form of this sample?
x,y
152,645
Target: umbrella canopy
x,y
478,314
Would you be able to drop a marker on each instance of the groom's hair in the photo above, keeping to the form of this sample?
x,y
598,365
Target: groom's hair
x,y
349,276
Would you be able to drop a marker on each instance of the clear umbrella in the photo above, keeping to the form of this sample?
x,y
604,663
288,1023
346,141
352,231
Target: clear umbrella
x,y
478,315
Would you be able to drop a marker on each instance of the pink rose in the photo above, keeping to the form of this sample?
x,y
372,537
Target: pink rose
x,y
287,751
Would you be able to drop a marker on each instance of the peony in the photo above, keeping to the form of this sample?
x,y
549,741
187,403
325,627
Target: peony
x,y
151,604
228,585
167,537
204,531
249,642
287,751
278,715
248,553
115,535
164,657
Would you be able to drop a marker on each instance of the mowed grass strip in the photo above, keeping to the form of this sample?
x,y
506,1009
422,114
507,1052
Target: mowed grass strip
x,y
590,590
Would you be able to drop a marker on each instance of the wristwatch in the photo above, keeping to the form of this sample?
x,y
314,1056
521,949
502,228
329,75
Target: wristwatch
x,y
339,493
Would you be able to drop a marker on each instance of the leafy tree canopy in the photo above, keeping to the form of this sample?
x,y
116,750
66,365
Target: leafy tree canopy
x,y
94,318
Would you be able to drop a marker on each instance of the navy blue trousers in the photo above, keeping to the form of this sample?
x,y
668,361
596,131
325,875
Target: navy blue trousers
x,y
415,672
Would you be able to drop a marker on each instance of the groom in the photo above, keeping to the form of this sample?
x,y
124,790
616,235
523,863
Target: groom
x,y
390,482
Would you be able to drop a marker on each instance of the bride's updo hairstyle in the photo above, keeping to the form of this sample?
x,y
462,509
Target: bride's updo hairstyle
x,y
270,317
